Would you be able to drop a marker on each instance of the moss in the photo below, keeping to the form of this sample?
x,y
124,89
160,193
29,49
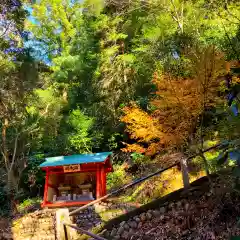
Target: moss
x,y
28,205
109,214
159,186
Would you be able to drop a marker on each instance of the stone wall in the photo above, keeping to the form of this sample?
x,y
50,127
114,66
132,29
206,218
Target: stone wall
x,y
39,225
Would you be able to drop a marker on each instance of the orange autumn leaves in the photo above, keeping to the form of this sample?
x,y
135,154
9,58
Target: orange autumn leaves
x,y
178,104
176,113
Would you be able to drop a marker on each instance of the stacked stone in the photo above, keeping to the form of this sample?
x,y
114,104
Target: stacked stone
x,y
128,229
173,212
39,225
91,217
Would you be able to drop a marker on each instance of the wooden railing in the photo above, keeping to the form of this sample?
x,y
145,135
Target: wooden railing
x,y
65,225
123,189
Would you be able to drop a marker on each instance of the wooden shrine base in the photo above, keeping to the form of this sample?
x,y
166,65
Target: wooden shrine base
x,y
65,204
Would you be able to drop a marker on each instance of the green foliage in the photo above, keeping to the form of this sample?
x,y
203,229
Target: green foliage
x,y
138,158
33,178
79,138
117,178
113,141
44,109
29,204
105,55
4,201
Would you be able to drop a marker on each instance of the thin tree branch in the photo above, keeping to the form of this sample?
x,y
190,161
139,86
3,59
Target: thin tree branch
x,y
177,18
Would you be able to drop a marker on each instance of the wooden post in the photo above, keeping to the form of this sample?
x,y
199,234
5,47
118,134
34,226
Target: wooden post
x,y
103,181
184,169
98,183
46,188
65,232
62,216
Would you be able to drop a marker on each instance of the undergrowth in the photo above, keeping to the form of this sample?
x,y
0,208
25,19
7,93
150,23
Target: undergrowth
x,y
156,187
29,204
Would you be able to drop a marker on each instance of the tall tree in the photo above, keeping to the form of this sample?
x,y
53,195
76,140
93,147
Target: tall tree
x,y
179,107
18,77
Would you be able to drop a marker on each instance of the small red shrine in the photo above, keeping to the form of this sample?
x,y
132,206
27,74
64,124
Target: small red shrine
x,y
76,179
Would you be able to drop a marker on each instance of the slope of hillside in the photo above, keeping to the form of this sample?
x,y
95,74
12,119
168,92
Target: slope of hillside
x,y
201,213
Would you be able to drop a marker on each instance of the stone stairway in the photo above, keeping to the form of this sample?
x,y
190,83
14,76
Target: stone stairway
x,y
41,224
199,213
94,217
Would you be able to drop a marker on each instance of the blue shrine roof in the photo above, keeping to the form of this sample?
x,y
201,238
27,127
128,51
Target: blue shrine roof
x,y
75,159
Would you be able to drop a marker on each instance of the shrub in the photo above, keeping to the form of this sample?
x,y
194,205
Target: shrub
x,y
4,201
117,178
32,180
29,204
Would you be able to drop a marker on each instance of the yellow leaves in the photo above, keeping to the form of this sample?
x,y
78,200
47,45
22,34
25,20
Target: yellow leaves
x,y
179,103
178,106
134,148
146,130
140,124
176,92
235,80
143,128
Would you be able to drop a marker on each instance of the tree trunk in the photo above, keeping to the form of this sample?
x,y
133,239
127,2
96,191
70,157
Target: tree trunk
x,y
4,143
184,169
12,189
12,183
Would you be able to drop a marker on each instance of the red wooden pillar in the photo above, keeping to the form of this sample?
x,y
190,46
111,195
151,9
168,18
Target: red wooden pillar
x,y
46,188
103,181
98,182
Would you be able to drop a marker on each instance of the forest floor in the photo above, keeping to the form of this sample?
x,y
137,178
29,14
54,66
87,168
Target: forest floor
x,y
200,214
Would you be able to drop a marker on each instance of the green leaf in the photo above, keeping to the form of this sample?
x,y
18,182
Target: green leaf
x,y
129,58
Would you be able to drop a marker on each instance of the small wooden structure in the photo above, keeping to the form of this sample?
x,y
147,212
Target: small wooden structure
x,y
75,180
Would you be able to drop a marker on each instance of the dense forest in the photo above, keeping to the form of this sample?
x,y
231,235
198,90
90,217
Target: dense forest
x,y
142,77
